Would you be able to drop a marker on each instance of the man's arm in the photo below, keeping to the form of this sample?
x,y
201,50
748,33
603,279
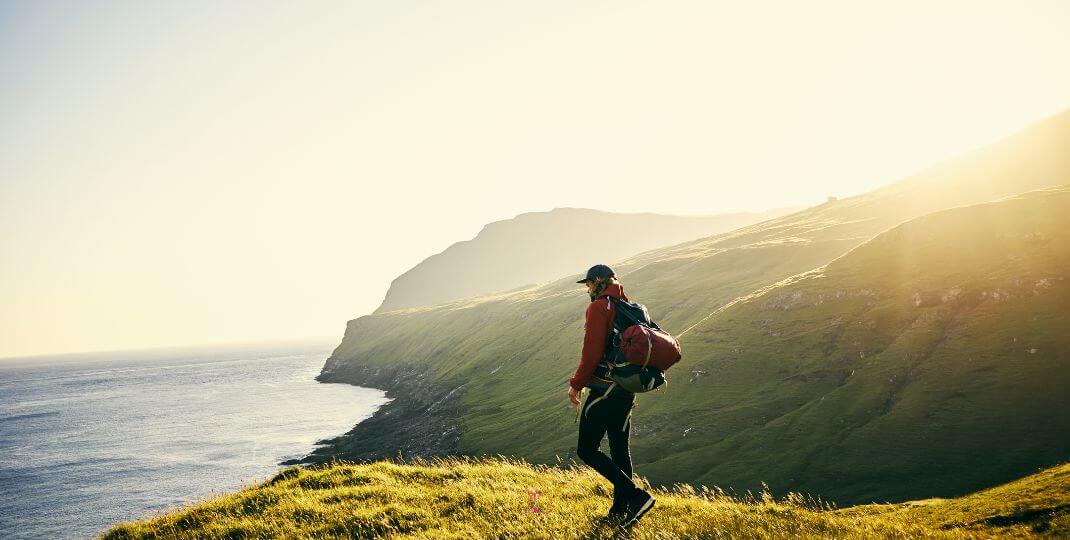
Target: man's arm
x,y
594,342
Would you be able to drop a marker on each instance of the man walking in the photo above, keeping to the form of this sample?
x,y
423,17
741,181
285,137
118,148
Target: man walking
x,y
606,414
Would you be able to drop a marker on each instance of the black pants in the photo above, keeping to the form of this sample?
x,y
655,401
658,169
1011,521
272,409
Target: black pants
x,y
609,416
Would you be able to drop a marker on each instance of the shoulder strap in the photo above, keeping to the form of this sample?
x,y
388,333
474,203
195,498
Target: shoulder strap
x,y
628,315
599,398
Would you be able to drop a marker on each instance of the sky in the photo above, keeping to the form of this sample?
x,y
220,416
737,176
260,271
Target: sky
x,y
198,172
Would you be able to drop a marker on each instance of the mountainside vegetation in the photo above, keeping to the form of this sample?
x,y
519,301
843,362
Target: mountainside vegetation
x,y
909,342
930,360
497,497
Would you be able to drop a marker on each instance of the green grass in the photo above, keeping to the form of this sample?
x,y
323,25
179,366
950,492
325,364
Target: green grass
x,y
498,497
894,371
1038,504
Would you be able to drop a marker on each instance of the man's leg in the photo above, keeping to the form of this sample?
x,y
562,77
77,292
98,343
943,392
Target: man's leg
x,y
593,427
619,433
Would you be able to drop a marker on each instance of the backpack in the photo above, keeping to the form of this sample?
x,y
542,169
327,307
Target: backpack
x,y
639,351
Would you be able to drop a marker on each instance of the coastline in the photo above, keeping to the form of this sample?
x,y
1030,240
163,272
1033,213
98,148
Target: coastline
x,y
422,419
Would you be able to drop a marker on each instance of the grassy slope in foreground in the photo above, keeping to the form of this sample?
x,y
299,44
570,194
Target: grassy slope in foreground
x,y
494,497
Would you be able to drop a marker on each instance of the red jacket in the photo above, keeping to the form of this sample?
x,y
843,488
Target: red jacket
x,y
599,321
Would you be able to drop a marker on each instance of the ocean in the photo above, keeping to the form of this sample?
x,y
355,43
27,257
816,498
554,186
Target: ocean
x,y
90,440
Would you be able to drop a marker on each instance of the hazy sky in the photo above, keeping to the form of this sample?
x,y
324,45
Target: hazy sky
x,y
198,172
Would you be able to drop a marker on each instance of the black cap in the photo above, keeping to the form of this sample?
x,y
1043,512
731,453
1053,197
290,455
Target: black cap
x,y
598,271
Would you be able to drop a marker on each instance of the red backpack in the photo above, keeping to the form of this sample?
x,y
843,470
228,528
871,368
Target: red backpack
x,y
639,352
638,355
642,342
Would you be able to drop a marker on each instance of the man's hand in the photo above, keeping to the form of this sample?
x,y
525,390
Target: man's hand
x,y
574,395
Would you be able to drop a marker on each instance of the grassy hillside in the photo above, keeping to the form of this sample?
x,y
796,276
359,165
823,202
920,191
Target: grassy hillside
x,y
1036,504
823,368
506,498
542,246
931,360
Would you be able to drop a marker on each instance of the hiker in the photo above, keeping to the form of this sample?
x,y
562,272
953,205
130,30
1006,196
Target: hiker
x,y
603,414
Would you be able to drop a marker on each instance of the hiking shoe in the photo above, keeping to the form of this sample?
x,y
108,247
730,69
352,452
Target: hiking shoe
x,y
620,503
637,506
617,511
611,520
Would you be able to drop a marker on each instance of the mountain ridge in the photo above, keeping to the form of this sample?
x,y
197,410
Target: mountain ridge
x,y
541,246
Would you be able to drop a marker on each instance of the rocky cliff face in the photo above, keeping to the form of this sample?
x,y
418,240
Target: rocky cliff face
x,y
422,418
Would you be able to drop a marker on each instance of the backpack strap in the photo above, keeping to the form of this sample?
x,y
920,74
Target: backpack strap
x,y
591,404
646,325
599,398
577,419
649,346
627,315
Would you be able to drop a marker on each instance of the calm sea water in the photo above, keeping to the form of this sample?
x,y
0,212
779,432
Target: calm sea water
x,y
88,441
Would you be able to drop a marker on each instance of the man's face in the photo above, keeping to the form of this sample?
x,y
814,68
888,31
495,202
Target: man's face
x,y
590,287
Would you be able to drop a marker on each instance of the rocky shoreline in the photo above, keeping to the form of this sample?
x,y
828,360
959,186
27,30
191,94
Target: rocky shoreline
x,y
421,420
